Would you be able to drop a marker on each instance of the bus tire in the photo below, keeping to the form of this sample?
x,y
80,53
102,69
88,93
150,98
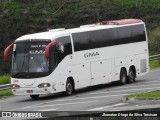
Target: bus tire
x,y
131,75
69,87
123,76
34,96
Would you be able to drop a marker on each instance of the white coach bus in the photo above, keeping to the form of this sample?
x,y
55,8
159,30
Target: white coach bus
x,y
63,60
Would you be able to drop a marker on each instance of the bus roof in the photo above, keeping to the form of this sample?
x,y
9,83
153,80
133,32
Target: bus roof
x,y
53,34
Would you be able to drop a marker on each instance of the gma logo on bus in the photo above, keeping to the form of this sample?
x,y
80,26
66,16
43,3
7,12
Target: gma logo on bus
x,y
93,54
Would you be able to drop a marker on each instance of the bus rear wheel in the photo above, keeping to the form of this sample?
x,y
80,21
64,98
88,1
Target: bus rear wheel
x,y
131,75
34,96
123,76
69,87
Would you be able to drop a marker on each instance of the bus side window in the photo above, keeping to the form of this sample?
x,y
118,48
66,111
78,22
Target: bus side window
x,y
53,58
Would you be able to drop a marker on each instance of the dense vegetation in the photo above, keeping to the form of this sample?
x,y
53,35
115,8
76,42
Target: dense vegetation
x,y
19,17
4,79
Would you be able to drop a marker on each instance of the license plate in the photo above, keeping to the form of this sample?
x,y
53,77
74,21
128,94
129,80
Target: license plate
x,y
29,91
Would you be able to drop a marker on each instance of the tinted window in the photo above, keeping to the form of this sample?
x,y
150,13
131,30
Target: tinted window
x,y
56,56
66,43
108,37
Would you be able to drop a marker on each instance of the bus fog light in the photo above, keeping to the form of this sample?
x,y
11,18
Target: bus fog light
x,y
45,89
44,85
15,86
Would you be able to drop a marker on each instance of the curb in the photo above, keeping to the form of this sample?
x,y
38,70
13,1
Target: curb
x,y
139,99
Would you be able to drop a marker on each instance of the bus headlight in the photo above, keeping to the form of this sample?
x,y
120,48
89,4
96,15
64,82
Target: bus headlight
x,y
43,85
15,86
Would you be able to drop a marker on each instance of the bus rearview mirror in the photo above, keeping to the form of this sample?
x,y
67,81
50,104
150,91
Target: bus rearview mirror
x,y
6,51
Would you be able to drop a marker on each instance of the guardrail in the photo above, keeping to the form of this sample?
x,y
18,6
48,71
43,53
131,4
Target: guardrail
x,y
5,87
8,86
154,57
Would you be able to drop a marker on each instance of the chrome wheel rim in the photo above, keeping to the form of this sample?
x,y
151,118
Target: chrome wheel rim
x,y
131,76
123,78
69,88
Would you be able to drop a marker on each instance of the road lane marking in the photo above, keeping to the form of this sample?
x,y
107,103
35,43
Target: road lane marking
x,y
109,106
119,89
47,109
84,98
138,85
134,107
123,90
28,107
97,97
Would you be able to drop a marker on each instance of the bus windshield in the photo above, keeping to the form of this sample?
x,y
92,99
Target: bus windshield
x,y
29,60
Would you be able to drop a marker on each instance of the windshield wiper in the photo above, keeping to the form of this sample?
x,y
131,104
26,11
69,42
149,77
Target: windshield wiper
x,y
18,74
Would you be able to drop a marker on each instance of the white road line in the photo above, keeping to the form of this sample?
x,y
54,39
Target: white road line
x,y
135,84
97,97
100,108
84,98
47,109
114,110
28,107
124,90
132,107
123,87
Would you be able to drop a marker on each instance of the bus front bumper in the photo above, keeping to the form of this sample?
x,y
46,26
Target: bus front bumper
x,y
32,91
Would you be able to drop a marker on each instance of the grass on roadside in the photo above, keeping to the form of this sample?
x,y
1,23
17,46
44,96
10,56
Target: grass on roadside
x,y
154,64
5,93
154,94
5,79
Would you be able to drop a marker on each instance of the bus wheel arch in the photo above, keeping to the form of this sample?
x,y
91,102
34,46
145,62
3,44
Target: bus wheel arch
x,y
131,74
70,86
123,76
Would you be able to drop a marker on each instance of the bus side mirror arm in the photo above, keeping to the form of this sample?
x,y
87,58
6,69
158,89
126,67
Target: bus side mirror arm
x,y
47,49
6,52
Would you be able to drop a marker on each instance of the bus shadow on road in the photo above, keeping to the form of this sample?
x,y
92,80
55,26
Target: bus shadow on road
x,y
105,87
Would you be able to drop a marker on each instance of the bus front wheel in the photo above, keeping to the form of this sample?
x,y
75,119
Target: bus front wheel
x,y
69,87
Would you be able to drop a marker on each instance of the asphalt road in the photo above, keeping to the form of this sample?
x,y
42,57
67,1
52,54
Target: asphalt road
x,y
99,98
